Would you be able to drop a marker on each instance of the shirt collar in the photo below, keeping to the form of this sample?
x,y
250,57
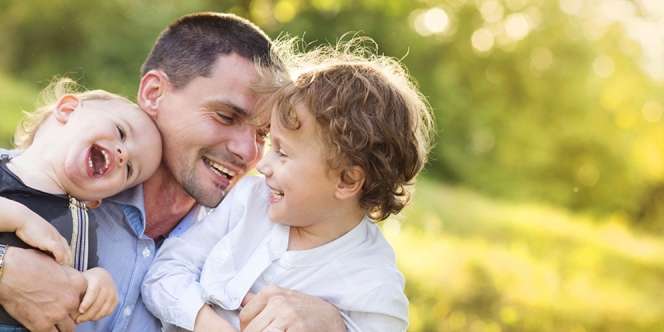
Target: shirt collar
x,y
331,250
134,198
133,204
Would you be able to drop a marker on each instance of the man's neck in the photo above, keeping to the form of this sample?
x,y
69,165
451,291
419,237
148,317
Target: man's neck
x,y
166,203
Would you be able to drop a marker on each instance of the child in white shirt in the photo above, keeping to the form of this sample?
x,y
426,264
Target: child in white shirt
x,y
348,138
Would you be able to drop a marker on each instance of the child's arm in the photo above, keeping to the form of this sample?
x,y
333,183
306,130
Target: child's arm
x,y
33,230
171,288
274,307
100,297
208,320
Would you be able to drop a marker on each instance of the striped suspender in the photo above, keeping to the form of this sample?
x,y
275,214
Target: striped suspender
x,y
79,234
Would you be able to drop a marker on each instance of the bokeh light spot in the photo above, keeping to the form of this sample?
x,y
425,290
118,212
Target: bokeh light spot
x,y
517,26
284,11
492,11
482,40
571,7
431,21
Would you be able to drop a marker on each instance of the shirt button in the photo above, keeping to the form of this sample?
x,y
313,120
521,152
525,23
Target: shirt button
x,y
127,311
146,252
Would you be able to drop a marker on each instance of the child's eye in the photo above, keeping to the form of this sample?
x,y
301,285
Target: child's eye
x,y
280,153
121,133
130,170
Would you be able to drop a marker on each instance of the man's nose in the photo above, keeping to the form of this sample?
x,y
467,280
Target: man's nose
x,y
244,145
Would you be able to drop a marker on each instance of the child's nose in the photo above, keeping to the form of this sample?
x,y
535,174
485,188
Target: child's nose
x,y
263,167
122,155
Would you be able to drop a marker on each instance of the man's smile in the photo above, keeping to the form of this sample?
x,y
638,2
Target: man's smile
x,y
220,169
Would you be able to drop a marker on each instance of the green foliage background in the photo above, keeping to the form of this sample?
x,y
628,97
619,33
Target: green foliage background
x,y
541,209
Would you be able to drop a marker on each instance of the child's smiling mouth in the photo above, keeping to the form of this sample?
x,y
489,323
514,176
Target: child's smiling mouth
x,y
275,195
99,161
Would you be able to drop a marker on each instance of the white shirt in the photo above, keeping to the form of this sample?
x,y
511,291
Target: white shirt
x,y
237,249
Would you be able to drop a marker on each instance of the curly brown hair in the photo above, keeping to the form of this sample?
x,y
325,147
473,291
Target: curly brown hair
x,y
369,113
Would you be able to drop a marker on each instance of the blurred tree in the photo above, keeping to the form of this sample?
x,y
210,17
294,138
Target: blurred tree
x,y
534,99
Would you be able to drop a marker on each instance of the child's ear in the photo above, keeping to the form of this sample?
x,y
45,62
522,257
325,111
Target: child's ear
x,y
350,183
151,90
65,106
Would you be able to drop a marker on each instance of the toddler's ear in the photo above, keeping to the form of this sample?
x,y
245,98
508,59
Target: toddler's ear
x,y
65,106
350,183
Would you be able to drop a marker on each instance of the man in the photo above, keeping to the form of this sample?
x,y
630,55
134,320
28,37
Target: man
x,y
196,85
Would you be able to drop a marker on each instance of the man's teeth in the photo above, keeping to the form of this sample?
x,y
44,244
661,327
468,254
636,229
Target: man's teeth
x,y
277,193
220,169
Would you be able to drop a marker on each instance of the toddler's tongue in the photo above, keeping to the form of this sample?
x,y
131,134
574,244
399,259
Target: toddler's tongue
x,y
99,165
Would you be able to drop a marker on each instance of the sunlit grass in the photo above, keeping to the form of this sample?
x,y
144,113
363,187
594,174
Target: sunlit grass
x,y
476,264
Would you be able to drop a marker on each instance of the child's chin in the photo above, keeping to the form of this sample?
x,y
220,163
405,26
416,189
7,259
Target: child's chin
x,y
274,217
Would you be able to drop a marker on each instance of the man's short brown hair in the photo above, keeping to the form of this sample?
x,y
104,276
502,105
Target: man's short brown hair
x,y
369,114
189,47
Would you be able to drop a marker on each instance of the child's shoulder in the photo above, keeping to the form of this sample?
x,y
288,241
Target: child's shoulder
x,y
372,257
369,278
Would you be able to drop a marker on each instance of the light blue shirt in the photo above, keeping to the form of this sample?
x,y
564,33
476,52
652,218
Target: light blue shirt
x,y
127,253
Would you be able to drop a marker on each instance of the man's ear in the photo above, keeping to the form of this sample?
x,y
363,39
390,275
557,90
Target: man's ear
x,y
351,181
151,90
65,106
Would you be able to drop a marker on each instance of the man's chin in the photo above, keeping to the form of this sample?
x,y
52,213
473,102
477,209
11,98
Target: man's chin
x,y
207,197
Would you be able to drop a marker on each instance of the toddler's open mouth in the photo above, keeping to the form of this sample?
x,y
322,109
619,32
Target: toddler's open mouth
x,y
98,161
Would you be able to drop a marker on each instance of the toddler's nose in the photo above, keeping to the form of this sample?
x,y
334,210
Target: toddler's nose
x,y
122,156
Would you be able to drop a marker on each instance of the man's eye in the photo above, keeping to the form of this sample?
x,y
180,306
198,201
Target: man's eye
x,y
130,170
121,133
225,119
261,135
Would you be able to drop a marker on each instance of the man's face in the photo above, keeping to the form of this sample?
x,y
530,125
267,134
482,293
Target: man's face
x,y
208,130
